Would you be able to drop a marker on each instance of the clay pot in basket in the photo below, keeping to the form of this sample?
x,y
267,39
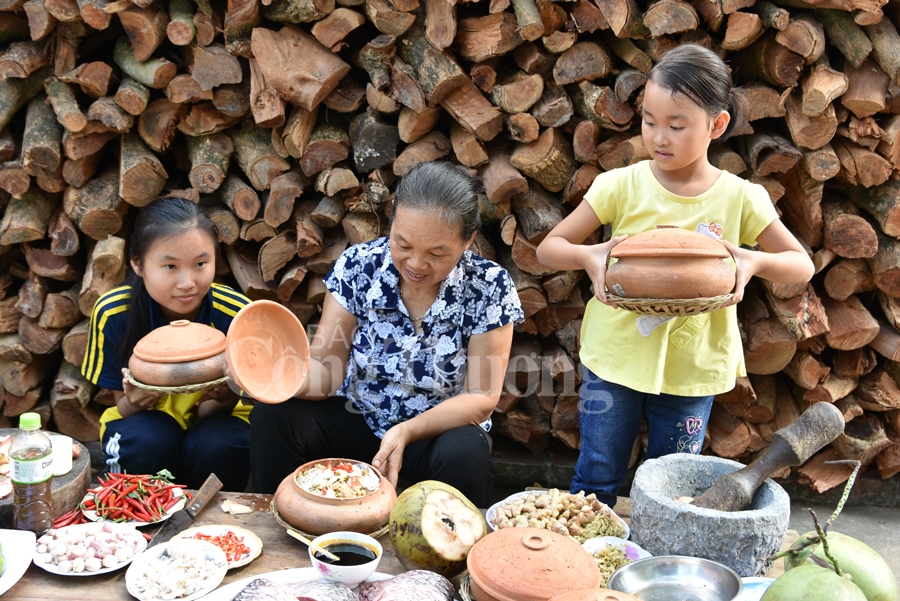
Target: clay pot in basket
x,y
669,263
267,351
315,514
529,564
178,354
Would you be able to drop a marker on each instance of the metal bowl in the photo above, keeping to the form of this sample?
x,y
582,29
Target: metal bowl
x,y
677,578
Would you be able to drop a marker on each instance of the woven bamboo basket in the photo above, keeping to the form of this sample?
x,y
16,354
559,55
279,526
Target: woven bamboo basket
x,y
665,307
273,509
175,389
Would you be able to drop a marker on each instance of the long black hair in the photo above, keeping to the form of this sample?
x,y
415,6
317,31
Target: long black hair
x,y
702,76
164,217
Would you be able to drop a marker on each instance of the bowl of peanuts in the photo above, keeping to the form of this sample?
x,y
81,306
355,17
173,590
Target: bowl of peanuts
x,y
578,516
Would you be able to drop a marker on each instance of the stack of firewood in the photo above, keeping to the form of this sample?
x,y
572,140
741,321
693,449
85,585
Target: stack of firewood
x,y
291,119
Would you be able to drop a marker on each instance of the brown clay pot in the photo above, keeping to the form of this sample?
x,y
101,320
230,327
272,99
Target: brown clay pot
x,y
267,351
180,353
669,263
528,564
595,594
315,514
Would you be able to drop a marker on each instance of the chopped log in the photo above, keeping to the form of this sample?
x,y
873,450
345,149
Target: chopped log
x,y
769,61
810,132
212,66
801,205
107,112
241,18
146,29
18,378
205,26
533,59
26,218
851,325
528,18
866,89
296,65
584,61
846,233
9,315
40,22
247,275
860,166
885,44
885,265
803,316
329,212
665,17
854,363
38,340
297,131
361,227
805,36
97,207
518,94
770,346
831,390
741,393
821,477
404,87
624,18
63,10
240,198
877,391
227,227
432,147
327,145
820,87
528,287
621,152
560,41
501,179
522,127
773,16
309,235
760,409
7,145
373,140
11,349
105,271
332,30
537,212
548,160
472,110
14,179
337,179
481,38
725,158
554,109
729,437
256,157
412,125
73,413
210,157
63,234
279,205
600,104
806,370
848,277
60,309
888,461
845,35
31,296
578,186
375,58
41,139
155,73
132,96
743,29
275,253
15,93
256,230
322,262
561,286
821,164
585,140
302,11
388,20
158,123
849,406
887,342
181,29
467,148
141,174
293,276
879,201
770,153
556,315
21,59
232,100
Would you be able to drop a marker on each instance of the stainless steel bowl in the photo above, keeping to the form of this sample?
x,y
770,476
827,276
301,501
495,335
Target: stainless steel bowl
x,y
677,578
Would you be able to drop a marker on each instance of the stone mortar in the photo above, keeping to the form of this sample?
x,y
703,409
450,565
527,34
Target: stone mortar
x,y
742,540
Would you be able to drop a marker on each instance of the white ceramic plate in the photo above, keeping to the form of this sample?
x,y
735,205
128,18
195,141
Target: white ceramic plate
x,y
631,550
92,515
493,509
54,569
229,591
151,562
250,540
18,549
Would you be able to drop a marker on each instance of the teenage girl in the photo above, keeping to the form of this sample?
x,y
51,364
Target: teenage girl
x,y
666,370
173,255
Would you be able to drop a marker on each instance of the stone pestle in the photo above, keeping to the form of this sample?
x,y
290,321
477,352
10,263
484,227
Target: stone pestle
x,y
791,445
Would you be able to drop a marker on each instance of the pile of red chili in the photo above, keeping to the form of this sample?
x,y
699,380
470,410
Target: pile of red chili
x,y
139,498
231,543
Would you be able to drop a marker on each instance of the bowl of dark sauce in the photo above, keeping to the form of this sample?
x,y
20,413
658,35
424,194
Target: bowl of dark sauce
x,y
359,557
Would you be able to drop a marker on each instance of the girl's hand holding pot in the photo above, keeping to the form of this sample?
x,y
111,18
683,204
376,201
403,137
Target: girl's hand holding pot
x,y
596,260
745,262
139,399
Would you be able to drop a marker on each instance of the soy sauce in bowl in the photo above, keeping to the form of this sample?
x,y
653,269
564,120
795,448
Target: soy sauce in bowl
x,y
351,554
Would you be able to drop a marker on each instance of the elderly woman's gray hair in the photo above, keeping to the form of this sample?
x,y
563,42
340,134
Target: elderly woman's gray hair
x,y
444,189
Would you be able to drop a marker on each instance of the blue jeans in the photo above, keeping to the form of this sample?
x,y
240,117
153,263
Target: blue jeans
x,y
610,421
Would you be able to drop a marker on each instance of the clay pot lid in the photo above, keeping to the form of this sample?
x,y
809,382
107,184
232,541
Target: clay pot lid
x,y
595,594
267,351
669,241
530,564
181,340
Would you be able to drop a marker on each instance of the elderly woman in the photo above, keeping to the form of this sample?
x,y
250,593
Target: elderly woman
x,y
409,358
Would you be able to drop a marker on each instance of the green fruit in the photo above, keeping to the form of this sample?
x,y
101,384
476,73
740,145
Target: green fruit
x,y
2,562
812,583
869,571
433,526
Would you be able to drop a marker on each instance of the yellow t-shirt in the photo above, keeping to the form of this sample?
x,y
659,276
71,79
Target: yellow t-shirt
x,y
685,356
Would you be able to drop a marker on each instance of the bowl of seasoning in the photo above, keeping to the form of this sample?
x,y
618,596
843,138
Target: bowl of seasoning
x,y
359,557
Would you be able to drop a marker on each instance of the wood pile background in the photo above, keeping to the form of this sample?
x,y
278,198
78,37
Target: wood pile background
x,y
291,119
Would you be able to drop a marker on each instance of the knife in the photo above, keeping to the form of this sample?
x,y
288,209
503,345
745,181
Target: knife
x,y
180,520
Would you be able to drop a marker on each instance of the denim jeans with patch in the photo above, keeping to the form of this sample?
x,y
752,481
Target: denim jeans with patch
x,y
610,421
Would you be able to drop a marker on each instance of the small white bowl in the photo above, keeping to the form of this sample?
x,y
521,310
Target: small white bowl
x,y
631,550
350,576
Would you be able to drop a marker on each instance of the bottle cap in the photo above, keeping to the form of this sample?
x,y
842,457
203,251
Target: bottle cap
x,y
30,421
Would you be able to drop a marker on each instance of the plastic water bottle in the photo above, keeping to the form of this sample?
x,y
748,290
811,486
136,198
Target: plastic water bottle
x,y
31,458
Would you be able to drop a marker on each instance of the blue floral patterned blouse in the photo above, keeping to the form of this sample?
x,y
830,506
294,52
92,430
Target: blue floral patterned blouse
x,y
395,374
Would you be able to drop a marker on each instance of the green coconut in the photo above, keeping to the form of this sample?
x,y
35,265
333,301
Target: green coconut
x,y
869,571
812,583
433,526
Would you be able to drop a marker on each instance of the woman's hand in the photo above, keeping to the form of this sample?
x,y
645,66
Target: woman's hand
x,y
596,259
389,458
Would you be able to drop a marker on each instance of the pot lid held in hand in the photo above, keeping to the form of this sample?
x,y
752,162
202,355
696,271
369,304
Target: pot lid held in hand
x,y
181,340
668,241
530,564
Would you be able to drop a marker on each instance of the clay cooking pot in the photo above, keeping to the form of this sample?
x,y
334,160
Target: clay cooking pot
x,y
180,353
315,514
669,263
529,564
